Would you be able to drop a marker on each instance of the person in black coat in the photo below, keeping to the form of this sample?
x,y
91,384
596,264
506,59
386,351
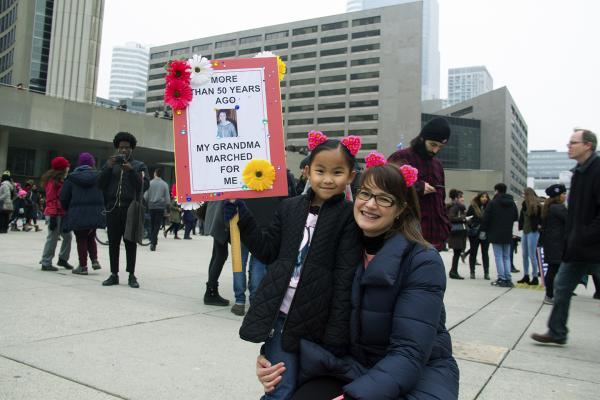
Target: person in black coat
x,y
554,217
475,213
497,228
399,347
81,198
457,239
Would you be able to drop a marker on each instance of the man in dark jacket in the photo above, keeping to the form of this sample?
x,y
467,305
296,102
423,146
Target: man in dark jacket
x,y
496,228
122,180
581,255
431,184
157,198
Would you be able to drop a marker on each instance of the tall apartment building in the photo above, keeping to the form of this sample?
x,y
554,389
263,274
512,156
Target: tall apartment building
x,y
430,67
128,71
503,143
51,47
353,73
468,82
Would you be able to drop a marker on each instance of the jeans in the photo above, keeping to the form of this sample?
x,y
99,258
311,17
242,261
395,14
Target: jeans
x,y
568,277
256,272
502,256
275,354
156,219
52,240
86,243
529,246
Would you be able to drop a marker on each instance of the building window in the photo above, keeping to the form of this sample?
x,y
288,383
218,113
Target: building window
x,y
276,35
336,38
303,68
332,92
156,76
251,39
332,78
277,46
158,65
302,56
249,51
365,61
331,120
364,103
365,75
359,118
308,107
156,87
225,43
461,112
225,54
333,52
306,30
161,54
307,42
302,95
179,52
364,89
301,121
20,161
364,132
154,98
200,47
332,106
334,25
368,146
358,35
337,64
366,21
298,82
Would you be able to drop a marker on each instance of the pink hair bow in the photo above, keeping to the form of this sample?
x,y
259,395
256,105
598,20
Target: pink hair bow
x,y
353,144
409,173
375,159
315,138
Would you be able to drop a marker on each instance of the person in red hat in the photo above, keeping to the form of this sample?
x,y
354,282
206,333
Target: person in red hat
x,y
52,182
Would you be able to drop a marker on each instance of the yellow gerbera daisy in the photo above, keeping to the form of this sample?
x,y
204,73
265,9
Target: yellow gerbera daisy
x,y
259,175
281,68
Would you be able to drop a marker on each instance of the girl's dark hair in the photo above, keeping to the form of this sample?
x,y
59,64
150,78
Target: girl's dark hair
x,y
389,179
476,203
332,144
51,174
455,194
547,203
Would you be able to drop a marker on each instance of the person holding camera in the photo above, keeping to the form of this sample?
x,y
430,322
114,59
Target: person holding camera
x,y
122,180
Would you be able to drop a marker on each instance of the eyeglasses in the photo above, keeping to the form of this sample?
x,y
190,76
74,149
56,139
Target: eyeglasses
x,y
382,200
572,143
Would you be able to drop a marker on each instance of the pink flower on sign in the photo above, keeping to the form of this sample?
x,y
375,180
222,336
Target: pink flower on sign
x,y
352,143
375,159
410,174
315,138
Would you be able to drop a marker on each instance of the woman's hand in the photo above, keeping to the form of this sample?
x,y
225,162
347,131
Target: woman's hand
x,y
268,375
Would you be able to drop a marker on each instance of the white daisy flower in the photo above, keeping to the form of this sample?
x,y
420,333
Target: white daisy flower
x,y
201,70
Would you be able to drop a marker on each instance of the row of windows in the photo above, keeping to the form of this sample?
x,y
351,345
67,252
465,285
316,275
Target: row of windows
x,y
340,133
7,40
6,61
6,79
333,120
329,79
8,19
333,106
4,4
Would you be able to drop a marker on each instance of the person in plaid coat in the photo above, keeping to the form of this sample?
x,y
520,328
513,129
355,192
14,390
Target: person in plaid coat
x,y
431,184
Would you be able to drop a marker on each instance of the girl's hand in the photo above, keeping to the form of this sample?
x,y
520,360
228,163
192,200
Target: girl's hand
x,y
268,375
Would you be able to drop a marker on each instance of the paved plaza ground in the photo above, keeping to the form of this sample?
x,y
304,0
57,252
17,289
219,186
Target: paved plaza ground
x,y
66,337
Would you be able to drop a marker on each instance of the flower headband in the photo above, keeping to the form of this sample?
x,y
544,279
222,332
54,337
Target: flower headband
x,y
352,143
409,173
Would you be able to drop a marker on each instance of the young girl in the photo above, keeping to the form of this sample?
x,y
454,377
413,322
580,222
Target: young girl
x,y
311,249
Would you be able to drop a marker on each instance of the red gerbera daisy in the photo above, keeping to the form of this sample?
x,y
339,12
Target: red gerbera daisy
x,y
178,70
178,94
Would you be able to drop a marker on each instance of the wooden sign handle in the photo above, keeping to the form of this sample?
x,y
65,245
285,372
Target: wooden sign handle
x,y
236,244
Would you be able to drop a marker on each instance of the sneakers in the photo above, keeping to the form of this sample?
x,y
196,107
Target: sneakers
x,y
95,265
534,281
49,268
547,338
113,279
64,264
525,279
80,270
239,309
133,282
548,300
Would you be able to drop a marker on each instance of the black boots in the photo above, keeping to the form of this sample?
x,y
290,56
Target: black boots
x,y
534,281
454,275
113,279
212,298
525,279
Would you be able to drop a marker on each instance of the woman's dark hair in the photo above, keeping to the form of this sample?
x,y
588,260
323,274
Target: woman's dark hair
x,y
455,194
124,137
389,179
476,203
548,202
51,174
5,177
531,201
332,144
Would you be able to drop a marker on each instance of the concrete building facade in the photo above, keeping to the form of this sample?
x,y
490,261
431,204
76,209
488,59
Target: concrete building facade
x,y
468,82
503,135
51,47
355,73
128,71
430,67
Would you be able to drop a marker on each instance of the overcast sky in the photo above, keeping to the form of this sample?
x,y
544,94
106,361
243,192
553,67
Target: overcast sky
x,y
546,52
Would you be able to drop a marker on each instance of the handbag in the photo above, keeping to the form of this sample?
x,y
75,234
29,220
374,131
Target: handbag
x,y
458,227
134,225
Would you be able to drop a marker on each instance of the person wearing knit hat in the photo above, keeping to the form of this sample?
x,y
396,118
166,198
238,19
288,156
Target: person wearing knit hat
x,y
52,182
122,179
86,159
430,185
